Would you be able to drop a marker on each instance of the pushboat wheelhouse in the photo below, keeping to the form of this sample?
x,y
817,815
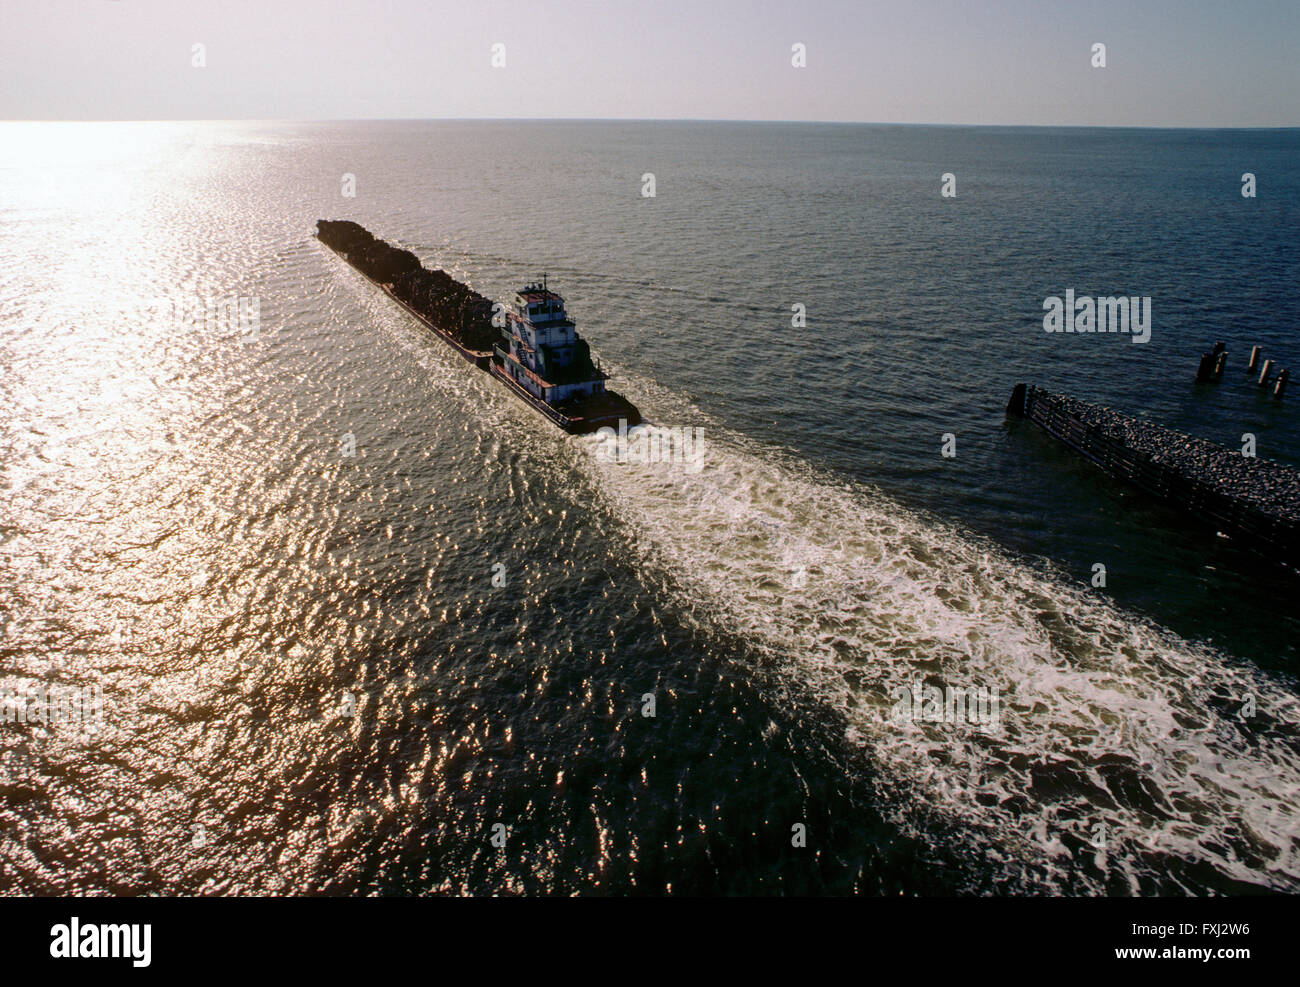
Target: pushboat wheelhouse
x,y
546,362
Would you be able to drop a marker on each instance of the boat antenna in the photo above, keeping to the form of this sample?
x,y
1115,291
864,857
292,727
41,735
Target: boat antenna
x,y
543,281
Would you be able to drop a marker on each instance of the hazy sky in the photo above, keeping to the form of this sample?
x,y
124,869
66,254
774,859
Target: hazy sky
x,y
1169,62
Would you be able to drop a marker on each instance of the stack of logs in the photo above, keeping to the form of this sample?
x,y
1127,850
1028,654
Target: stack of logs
x,y
453,307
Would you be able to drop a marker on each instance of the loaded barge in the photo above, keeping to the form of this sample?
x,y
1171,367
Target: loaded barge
x,y
1254,501
531,346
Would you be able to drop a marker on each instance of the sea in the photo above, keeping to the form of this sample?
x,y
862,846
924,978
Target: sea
x,y
293,600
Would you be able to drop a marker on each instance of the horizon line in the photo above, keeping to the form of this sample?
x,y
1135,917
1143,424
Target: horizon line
x,y
843,123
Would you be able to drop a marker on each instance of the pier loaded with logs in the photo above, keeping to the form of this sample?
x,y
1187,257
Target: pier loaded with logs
x,y
1253,500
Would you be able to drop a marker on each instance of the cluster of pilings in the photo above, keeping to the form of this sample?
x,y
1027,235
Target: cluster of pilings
x,y
1254,500
1212,365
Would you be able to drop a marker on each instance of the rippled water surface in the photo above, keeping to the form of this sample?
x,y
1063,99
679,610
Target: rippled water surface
x,y
312,677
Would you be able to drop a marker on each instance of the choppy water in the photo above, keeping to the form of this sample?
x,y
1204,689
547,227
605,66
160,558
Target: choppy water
x,y
311,682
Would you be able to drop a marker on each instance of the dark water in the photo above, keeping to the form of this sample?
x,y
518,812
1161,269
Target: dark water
x,y
311,680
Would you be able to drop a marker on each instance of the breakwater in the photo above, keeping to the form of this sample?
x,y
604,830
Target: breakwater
x,y
1255,501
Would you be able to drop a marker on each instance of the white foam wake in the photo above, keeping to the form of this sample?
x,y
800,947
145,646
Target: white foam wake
x,y
1118,742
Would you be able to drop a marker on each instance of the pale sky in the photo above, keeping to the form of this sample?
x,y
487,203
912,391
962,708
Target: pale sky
x,y
1168,62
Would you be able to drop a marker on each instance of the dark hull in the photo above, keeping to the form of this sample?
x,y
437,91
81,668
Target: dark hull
x,y
578,421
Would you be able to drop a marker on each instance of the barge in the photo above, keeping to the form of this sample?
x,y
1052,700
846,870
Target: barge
x,y
531,346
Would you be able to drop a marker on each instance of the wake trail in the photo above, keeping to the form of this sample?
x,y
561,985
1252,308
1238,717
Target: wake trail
x,y
1119,747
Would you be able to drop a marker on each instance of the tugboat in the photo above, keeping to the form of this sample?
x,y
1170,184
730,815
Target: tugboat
x,y
544,361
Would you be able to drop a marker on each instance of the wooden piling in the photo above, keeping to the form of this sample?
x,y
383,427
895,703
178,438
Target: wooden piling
x,y
1206,370
1265,373
1281,382
1254,359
